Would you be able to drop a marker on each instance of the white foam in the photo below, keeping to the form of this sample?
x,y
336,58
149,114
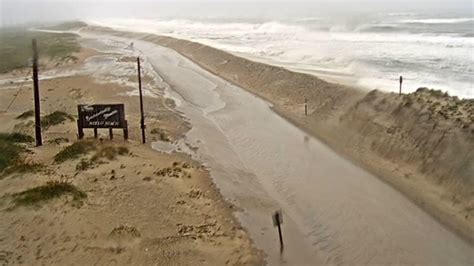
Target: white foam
x,y
438,20
384,54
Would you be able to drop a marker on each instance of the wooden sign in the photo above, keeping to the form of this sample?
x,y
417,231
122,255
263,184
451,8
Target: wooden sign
x,y
101,116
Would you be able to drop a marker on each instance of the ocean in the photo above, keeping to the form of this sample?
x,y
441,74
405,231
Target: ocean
x,y
363,44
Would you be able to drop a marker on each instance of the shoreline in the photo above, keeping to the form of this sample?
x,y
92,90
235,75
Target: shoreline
x,y
327,115
127,193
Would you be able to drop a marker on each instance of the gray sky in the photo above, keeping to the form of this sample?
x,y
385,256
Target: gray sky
x,y
13,12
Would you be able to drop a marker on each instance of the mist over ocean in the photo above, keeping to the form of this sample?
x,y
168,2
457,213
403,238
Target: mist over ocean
x,y
367,45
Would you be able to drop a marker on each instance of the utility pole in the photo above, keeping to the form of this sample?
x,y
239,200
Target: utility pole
x,y
39,141
142,119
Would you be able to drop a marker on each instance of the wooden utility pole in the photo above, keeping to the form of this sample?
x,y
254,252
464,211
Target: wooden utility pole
x,y
142,119
39,140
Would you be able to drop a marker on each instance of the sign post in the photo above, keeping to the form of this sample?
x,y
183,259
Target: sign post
x,y
142,119
305,106
39,141
401,81
277,221
101,116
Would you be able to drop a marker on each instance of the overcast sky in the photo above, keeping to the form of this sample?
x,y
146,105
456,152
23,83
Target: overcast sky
x,y
13,12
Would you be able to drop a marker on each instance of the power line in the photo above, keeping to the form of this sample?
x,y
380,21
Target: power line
x,y
18,92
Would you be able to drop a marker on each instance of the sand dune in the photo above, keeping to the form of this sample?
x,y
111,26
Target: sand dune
x,y
142,207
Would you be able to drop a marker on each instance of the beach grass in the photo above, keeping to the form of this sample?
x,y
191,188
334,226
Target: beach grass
x,y
74,151
55,118
26,114
9,148
67,25
16,50
108,152
52,189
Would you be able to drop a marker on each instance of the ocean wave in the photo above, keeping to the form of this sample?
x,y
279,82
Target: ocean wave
x,y
437,21
309,19
392,47
380,28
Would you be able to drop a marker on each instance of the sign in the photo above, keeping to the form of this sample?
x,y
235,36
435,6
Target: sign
x,y
102,116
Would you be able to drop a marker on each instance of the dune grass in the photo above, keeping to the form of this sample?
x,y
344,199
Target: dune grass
x,y
52,189
83,147
55,118
15,47
20,167
108,152
74,151
9,148
26,114
69,25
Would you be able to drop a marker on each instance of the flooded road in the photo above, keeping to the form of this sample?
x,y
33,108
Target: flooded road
x,y
334,212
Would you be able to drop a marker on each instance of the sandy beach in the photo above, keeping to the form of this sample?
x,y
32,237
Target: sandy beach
x,y
142,207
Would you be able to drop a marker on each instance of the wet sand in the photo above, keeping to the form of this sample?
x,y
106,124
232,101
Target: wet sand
x,y
335,212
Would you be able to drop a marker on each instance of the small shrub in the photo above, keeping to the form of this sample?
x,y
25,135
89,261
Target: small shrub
x,y
55,118
26,114
16,137
58,141
162,135
84,164
74,151
123,150
19,166
8,153
107,152
9,148
51,190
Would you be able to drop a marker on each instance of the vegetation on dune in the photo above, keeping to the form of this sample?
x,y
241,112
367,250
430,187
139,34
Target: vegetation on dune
x,y
74,151
52,189
110,152
15,47
26,114
80,148
67,25
9,148
16,137
20,166
161,133
55,118
107,152
439,104
58,141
